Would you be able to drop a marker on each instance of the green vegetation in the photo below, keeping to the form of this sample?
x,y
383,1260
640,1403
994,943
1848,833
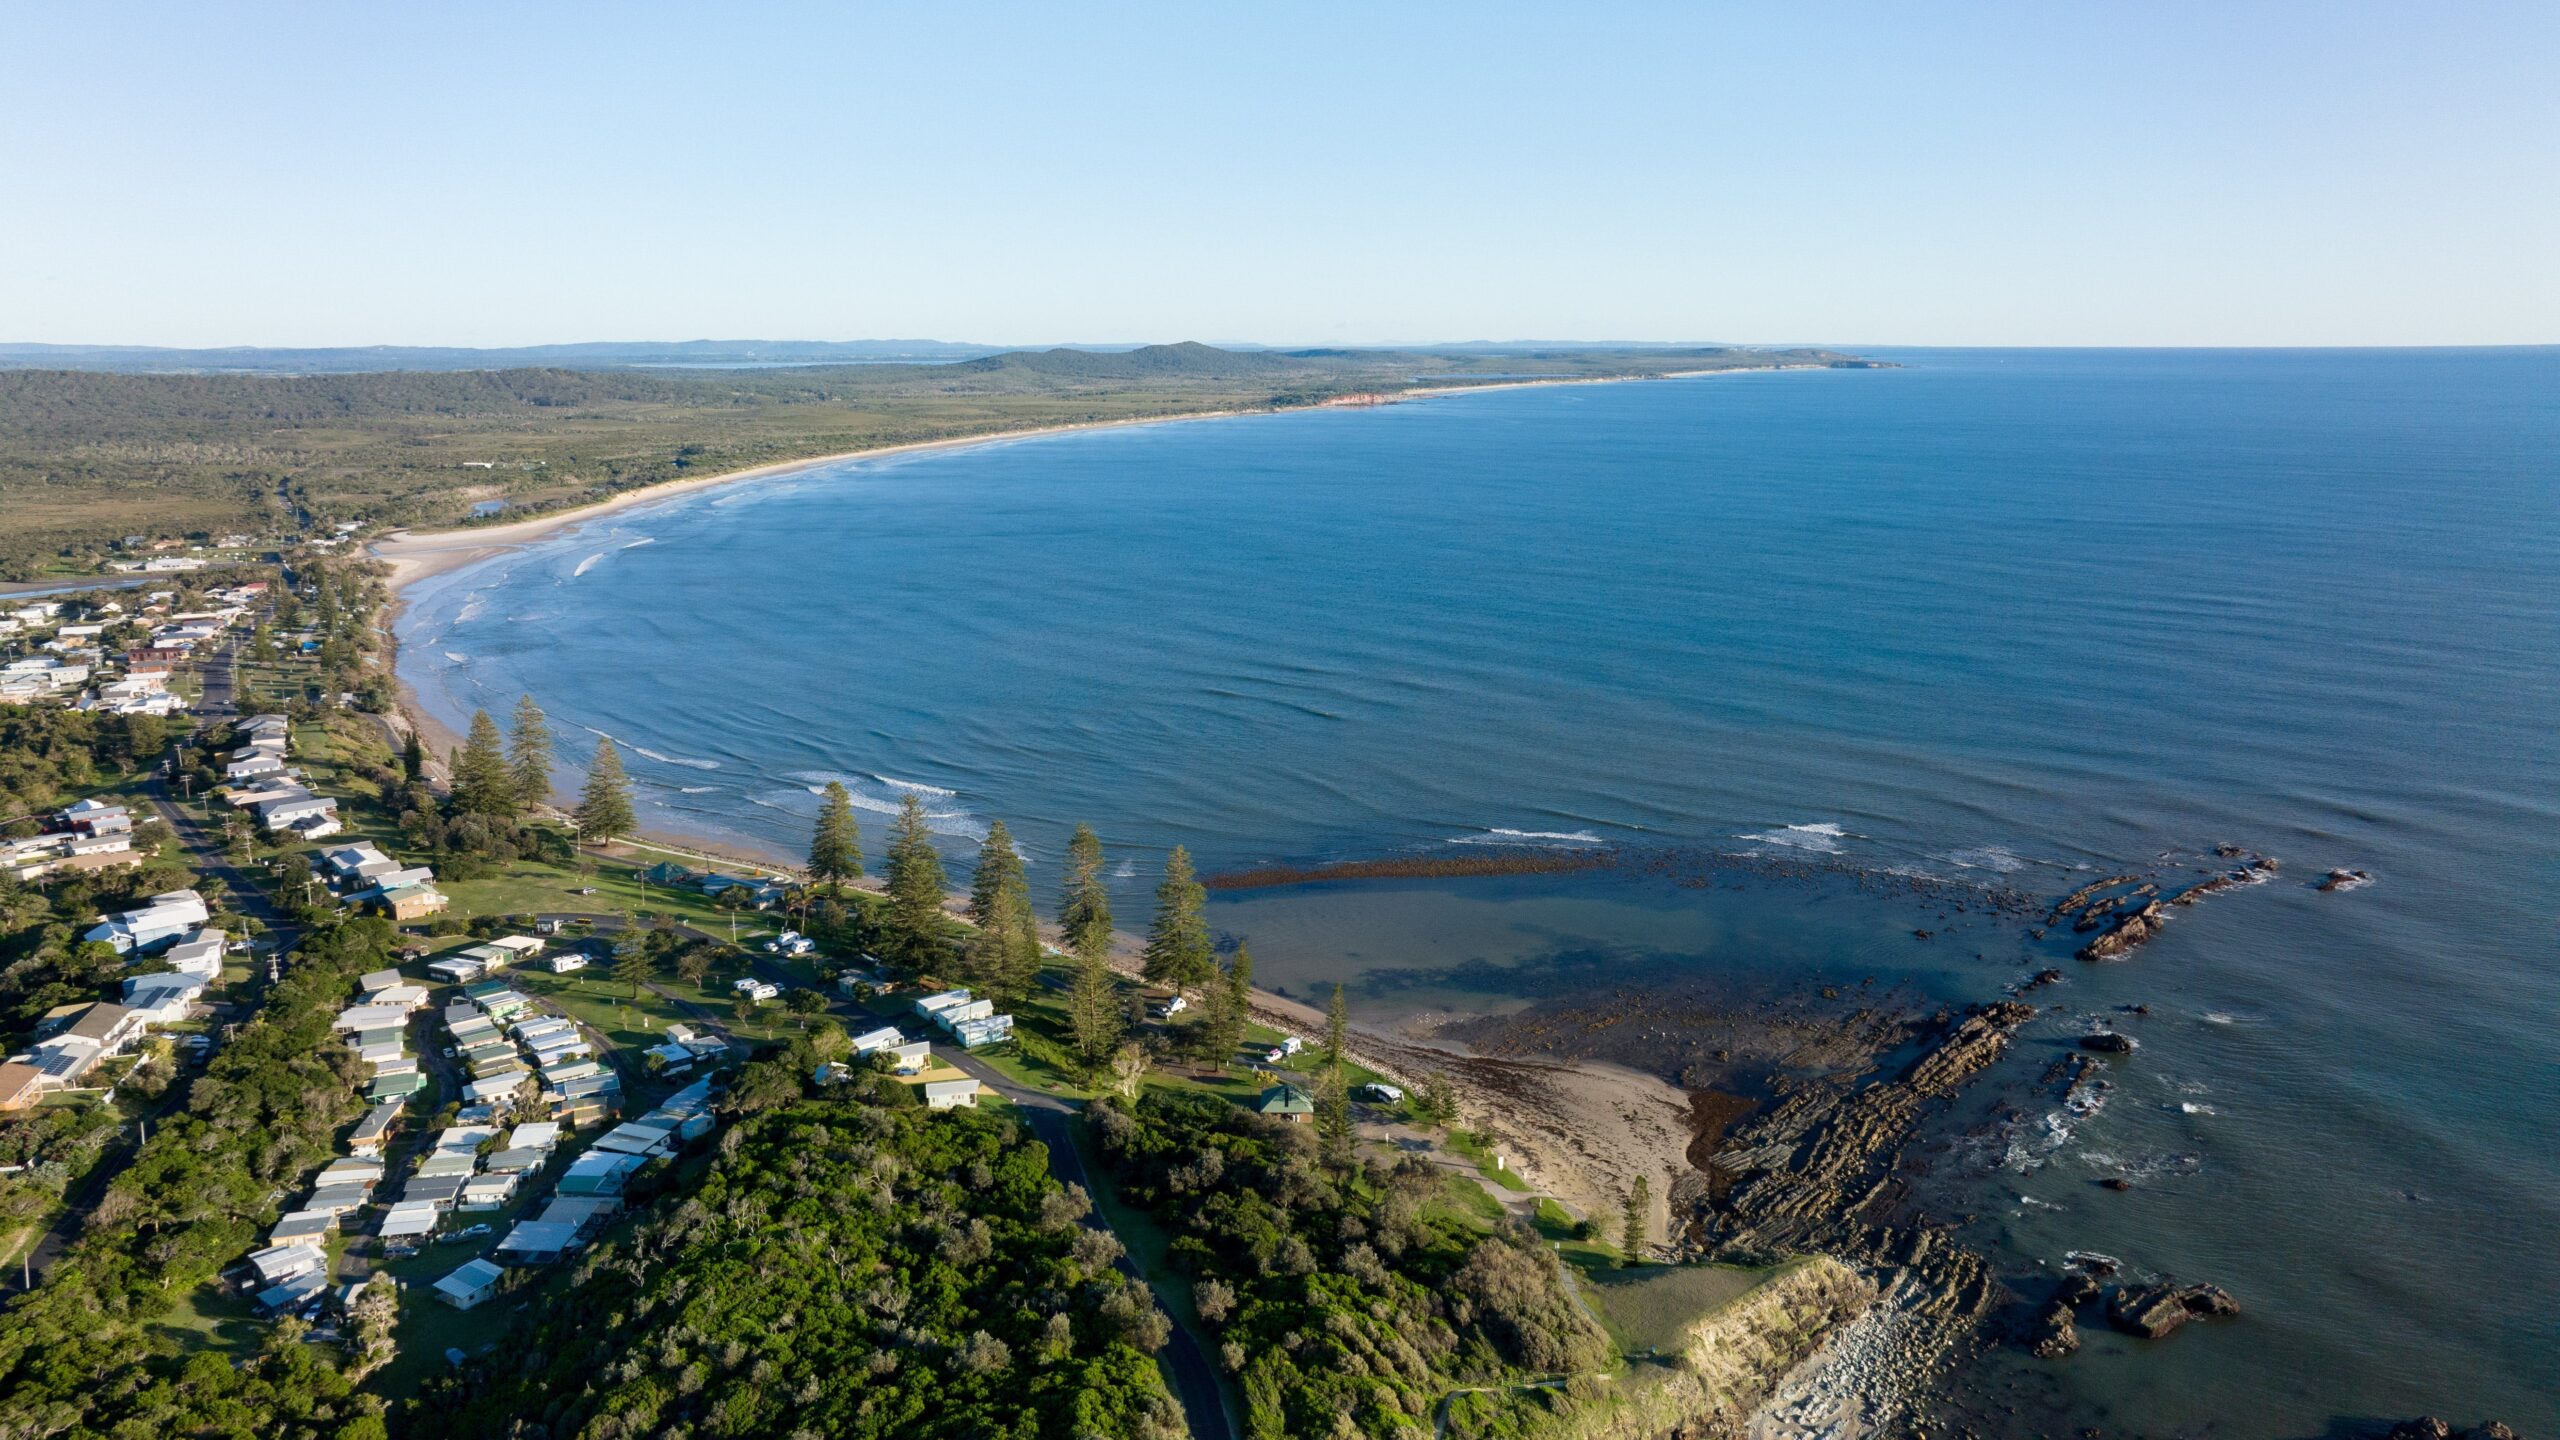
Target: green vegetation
x,y
835,847
604,807
86,457
1001,957
1178,949
1345,1297
915,883
88,1352
844,1268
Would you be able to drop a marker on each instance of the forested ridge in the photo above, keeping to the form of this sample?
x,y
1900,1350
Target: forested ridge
x,y
844,1269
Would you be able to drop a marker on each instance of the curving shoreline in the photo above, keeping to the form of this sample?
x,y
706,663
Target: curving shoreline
x,y
416,555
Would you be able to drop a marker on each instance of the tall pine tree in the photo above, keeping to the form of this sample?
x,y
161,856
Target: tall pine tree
x,y
1220,1032
413,758
999,866
529,755
1633,1221
835,851
604,807
1002,957
916,882
482,783
1337,1029
1095,1011
1084,901
1178,950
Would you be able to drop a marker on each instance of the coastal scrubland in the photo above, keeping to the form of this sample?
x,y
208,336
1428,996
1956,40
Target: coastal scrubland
x,y
88,457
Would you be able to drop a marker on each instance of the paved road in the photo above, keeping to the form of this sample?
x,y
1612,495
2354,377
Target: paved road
x,y
1195,1380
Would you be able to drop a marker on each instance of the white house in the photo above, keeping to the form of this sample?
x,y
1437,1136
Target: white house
x,y
162,999
169,915
950,1094
886,1037
476,1281
200,954
932,1006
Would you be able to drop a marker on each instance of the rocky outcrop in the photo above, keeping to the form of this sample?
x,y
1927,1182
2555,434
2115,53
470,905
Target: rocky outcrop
x,y
2108,1042
2337,880
2130,929
2055,1333
2428,1427
2155,1311
1728,1364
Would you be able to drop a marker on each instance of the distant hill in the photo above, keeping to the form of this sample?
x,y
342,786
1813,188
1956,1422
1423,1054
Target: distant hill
x,y
608,354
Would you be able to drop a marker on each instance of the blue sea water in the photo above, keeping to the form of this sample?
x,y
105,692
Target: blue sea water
x,y
2024,616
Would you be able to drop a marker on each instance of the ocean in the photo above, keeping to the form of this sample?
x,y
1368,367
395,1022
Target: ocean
x,y
2021,618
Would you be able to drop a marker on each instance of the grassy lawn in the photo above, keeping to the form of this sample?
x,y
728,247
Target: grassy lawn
x,y
1650,1308
1474,1148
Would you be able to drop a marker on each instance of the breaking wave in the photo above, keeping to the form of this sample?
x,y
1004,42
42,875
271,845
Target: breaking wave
x,y
1500,836
586,565
645,751
1820,838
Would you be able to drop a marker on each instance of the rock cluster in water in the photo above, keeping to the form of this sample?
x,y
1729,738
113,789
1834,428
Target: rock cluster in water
x,y
2154,1311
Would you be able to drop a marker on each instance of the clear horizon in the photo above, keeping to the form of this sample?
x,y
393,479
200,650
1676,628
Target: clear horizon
x,y
2276,175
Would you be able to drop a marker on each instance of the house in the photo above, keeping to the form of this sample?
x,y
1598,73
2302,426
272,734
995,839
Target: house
x,y
295,1225
97,817
757,892
374,1130
20,1083
360,861
1286,1102
635,1138
374,982
538,1135
284,812
372,1017
254,765
667,872
984,1031
599,1174
107,1026
931,1006
169,915
411,1220
164,998
412,902
950,1094
1168,1007
952,1017
911,1058
476,1281
538,1242
200,954
457,970
278,1263
881,1039
517,947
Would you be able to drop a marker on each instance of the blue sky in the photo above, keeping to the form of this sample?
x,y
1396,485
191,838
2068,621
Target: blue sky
x,y
1987,174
